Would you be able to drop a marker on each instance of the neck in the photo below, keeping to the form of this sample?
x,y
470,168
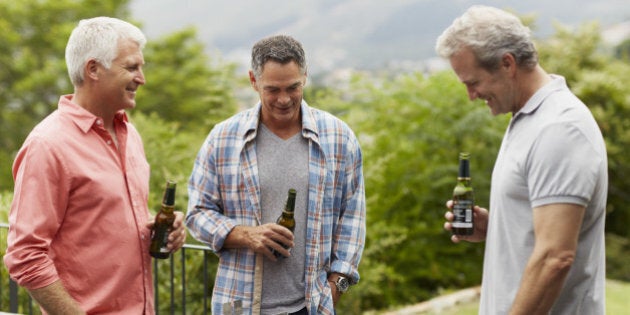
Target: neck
x,y
531,82
94,106
284,131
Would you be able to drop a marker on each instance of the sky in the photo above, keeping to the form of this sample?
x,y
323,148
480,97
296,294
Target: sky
x,y
350,33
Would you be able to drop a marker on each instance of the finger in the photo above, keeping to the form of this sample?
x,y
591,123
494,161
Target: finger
x,y
179,219
150,223
448,216
447,226
269,253
449,204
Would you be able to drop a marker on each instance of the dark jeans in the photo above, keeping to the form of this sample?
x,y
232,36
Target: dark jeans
x,y
300,312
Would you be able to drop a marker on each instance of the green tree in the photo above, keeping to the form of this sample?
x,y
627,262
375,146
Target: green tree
x,y
184,85
412,129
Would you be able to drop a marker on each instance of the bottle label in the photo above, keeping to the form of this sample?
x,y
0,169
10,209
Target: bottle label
x,y
463,214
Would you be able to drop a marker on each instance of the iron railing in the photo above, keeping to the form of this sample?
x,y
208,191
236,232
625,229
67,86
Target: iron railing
x,y
178,287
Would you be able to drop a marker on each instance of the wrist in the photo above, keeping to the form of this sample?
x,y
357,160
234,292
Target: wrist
x,y
340,282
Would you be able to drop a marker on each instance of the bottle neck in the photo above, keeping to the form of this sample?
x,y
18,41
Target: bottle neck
x,y
167,208
290,206
464,169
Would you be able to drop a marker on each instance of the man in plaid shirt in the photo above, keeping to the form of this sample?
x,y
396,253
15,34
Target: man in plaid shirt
x,y
239,184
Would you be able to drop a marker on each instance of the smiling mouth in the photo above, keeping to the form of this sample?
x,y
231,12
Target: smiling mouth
x,y
284,109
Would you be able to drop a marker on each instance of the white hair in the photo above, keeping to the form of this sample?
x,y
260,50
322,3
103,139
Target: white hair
x,y
490,33
97,38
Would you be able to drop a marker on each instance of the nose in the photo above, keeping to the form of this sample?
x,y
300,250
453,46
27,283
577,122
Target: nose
x,y
472,93
140,79
284,98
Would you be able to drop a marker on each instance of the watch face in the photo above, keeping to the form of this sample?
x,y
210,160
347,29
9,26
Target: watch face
x,y
342,284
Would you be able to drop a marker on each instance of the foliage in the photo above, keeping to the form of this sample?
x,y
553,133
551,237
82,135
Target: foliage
x,y
171,152
412,128
183,85
617,249
622,51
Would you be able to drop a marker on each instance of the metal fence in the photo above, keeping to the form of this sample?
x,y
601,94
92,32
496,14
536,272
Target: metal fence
x,y
177,284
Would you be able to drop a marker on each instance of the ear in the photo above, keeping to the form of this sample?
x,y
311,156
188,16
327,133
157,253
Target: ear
x,y
508,63
252,80
91,69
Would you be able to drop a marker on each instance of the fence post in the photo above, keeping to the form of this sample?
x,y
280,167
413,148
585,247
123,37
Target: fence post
x,y
13,296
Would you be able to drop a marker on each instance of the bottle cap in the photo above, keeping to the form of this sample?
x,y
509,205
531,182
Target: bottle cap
x,y
169,193
464,165
291,200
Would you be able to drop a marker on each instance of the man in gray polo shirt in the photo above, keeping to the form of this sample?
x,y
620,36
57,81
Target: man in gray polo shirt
x,y
544,232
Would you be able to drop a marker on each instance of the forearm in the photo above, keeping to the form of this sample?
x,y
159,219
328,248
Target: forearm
x,y
238,238
208,226
556,227
541,284
56,300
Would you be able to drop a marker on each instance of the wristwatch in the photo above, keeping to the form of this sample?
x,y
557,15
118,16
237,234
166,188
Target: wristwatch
x,y
342,284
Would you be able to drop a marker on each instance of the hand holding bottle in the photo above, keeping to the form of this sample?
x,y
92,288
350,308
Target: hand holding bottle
x,y
168,232
177,235
287,219
261,239
480,219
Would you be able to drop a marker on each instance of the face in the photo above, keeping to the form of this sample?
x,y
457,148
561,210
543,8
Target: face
x,y
119,83
495,88
280,87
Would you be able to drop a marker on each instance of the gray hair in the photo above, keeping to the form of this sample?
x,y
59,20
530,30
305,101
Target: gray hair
x,y
278,48
490,33
97,38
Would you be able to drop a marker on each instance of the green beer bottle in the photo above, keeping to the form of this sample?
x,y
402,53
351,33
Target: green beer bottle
x,y
463,199
163,223
286,219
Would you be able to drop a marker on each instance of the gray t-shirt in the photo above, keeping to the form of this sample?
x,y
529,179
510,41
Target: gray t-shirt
x,y
552,152
283,164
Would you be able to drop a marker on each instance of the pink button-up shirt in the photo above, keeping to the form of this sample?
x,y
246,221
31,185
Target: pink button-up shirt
x,y
79,212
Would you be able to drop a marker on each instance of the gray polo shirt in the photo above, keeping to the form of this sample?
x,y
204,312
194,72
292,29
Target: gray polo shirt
x,y
552,152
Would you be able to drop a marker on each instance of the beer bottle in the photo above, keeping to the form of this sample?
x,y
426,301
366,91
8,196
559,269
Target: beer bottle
x,y
463,199
163,223
286,219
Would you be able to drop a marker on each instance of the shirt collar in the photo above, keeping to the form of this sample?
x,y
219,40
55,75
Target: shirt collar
x,y
557,83
250,127
83,118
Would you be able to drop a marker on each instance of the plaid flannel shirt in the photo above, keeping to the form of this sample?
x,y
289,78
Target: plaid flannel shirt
x,y
224,191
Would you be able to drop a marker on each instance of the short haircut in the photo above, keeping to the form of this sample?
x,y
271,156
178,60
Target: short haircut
x,y
98,38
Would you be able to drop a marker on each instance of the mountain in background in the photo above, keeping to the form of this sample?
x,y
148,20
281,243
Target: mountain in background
x,y
357,34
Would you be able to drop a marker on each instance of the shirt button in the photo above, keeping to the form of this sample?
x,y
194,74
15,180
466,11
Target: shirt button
x,y
109,141
99,122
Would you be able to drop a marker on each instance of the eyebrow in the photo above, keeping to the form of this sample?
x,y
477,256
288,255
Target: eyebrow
x,y
294,85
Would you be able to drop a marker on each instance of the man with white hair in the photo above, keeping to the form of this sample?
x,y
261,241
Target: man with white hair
x,y
79,224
